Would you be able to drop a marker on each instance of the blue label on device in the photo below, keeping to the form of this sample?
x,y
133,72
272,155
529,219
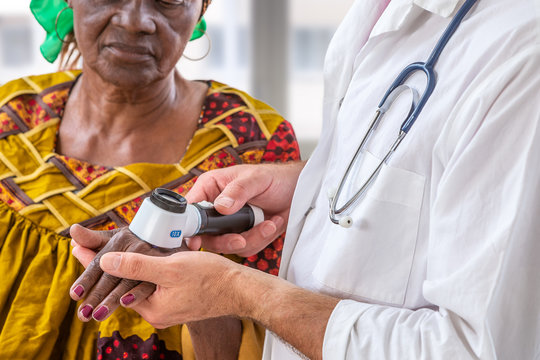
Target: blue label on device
x,y
176,233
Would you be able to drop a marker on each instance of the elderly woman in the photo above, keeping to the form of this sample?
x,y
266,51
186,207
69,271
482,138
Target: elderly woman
x,y
87,147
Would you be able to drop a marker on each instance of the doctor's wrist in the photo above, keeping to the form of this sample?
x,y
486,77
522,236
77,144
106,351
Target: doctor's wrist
x,y
255,293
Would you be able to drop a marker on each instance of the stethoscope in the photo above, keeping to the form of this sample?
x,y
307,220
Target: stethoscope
x,y
397,87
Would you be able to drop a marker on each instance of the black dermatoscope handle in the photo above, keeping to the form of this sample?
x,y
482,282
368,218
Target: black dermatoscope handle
x,y
214,223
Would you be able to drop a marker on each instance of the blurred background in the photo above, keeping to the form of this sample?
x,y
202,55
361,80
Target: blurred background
x,y
272,49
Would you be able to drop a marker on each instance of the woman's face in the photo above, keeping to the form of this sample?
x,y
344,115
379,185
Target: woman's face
x,y
133,43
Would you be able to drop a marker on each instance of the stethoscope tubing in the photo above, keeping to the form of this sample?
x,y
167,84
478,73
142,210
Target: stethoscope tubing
x,y
427,68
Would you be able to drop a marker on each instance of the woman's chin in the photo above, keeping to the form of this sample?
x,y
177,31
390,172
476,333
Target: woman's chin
x,y
129,76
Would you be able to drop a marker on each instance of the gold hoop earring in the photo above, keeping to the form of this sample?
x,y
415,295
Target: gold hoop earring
x,y
56,24
207,51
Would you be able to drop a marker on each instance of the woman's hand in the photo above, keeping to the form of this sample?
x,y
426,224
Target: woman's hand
x,y
268,186
103,293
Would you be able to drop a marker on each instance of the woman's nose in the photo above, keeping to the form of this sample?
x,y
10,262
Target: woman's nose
x,y
136,16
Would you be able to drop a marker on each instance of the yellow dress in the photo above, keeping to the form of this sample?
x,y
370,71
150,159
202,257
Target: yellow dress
x,y
42,193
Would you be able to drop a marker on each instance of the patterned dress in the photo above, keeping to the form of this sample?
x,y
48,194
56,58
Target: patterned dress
x,y
42,193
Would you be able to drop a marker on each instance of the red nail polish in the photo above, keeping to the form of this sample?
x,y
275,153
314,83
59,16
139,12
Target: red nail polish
x,y
79,290
127,299
101,313
86,311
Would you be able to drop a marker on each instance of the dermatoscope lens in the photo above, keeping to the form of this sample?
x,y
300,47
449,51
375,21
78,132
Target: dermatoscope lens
x,y
168,200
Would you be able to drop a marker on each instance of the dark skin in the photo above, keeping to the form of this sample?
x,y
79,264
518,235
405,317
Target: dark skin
x,y
132,106
142,110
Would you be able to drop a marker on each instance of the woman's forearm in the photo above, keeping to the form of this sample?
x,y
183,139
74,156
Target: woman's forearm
x,y
217,338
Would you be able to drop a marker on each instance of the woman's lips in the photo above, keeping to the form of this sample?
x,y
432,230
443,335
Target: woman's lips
x,y
128,53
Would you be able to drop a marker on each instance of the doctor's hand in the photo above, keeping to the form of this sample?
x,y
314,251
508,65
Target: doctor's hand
x,y
268,186
102,292
191,286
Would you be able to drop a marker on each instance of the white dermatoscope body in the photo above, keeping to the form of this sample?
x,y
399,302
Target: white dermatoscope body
x,y
165,218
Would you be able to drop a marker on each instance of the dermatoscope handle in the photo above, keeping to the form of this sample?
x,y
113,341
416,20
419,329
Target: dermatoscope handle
x,y
214,223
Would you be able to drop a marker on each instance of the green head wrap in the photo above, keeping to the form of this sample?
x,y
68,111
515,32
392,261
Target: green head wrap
x,y
57,19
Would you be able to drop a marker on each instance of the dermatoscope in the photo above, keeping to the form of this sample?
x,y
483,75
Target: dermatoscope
x,y
165,218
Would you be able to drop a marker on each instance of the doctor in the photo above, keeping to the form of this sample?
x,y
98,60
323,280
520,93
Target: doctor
x,y
438,259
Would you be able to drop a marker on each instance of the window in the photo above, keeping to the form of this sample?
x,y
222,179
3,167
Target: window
x,y
16,44
312,24
309,47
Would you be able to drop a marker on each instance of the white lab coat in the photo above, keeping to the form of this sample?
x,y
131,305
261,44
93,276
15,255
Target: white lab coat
x,y
442,260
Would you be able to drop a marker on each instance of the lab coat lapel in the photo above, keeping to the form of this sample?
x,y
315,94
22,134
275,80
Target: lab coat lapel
x,y
444,8
347,42
398,11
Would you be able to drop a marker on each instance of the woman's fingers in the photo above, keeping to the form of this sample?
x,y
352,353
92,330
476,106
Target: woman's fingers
x,y
101,290
84,255
112,300
91,239
137,294
122,240
86,281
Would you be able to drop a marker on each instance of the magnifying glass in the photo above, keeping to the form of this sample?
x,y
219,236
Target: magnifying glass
x,y
165,218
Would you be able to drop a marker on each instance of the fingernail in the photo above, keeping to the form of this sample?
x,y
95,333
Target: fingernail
x,y
86,311
110,261
224,201
193,243
237,244
101,313
268,229
79,290
73,243
279,221
127,299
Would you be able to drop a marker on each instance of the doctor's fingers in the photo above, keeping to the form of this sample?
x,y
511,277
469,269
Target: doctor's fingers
x,y
246,244
258,238
207,187
229,188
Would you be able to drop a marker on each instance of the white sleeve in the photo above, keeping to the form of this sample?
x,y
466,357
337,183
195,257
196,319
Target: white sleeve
x,y
483,263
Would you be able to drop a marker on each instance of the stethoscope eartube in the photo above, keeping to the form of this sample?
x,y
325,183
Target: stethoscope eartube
x,y
337,215
165,218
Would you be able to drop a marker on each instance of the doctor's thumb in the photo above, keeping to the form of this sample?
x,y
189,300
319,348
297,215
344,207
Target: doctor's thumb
x,y
236,194
131,266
